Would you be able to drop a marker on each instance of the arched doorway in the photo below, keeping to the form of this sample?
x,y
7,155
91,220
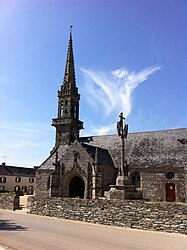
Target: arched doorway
x,y
170,192
76,187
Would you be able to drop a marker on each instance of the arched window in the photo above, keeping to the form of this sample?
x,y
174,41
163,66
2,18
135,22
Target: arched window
x,y
135,179
61,109
76,111
72,108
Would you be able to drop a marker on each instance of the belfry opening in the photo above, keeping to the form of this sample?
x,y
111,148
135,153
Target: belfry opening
x,y
76,187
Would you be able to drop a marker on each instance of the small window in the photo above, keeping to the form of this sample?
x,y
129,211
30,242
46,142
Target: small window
x,y
2,179
24,189
61,109
31,180
169,175
17,188
18,179
30,190
2,188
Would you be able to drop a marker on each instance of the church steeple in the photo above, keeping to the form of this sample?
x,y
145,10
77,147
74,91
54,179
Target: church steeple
x,y
67,123
69,75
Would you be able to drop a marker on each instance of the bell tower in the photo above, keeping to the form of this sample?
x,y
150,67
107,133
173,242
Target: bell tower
x,y
67,123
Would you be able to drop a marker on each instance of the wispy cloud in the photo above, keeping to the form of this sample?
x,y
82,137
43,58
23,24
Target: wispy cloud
x,y
25,143
103,130
113,91
25,127
21,144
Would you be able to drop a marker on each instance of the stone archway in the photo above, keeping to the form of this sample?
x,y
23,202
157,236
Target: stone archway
x,y
76,187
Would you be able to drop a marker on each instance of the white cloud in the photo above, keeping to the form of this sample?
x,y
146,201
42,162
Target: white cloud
x,y
113,91
103,130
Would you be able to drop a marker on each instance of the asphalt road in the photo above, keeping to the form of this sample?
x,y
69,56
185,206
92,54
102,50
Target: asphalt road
x,y
28,232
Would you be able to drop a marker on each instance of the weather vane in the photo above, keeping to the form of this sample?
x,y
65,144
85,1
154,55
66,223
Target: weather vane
x,y
71,27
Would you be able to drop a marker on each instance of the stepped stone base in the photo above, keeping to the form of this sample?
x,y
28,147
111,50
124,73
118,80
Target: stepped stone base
x,y
123,190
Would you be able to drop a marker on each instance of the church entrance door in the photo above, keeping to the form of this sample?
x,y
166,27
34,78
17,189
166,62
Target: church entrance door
x,y
170,192
76,187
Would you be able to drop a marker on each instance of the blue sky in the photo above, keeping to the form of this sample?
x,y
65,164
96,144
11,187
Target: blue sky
x,y
130,56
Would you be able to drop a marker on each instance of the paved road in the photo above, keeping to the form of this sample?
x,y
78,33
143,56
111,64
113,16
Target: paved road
x,y
28,232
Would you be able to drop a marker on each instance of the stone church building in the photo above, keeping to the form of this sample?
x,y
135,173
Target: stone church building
x,y
85,167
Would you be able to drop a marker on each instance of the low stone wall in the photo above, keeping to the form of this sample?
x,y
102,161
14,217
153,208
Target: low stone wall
x,y
162,216
8,201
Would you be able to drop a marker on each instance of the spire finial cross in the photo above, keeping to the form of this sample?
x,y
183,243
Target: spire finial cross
x,y
71,27
4,157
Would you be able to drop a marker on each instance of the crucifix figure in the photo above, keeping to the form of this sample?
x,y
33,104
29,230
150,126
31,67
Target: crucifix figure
x,y
122,132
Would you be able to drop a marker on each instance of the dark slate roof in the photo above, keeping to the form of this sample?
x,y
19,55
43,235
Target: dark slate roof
x,y
17,171
145,149
103,156
48,163
142,149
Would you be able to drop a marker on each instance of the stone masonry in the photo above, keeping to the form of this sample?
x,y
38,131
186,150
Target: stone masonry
x,y
8,201
154,216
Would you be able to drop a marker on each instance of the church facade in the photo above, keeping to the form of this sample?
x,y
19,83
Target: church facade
x,y
87,167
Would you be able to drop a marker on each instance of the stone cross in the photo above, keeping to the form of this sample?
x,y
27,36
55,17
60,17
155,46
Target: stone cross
x,y
122,132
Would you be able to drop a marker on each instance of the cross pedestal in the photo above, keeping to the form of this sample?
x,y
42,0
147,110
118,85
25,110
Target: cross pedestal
x,y
123,190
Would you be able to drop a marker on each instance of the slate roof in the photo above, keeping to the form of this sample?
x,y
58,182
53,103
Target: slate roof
x,y
17,171
48,163
103,155
155,148
142,149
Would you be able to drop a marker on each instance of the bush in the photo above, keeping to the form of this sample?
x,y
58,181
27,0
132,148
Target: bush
x,y
7,192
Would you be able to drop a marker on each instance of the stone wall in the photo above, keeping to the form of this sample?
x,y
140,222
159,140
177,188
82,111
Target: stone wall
x,y
153,184
109,175
43,182
160,216
8,201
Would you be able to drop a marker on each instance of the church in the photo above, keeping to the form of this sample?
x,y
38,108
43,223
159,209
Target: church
x,y
87,167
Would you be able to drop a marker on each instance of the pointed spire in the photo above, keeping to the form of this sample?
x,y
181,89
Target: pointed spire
x,y
67,122
69,75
